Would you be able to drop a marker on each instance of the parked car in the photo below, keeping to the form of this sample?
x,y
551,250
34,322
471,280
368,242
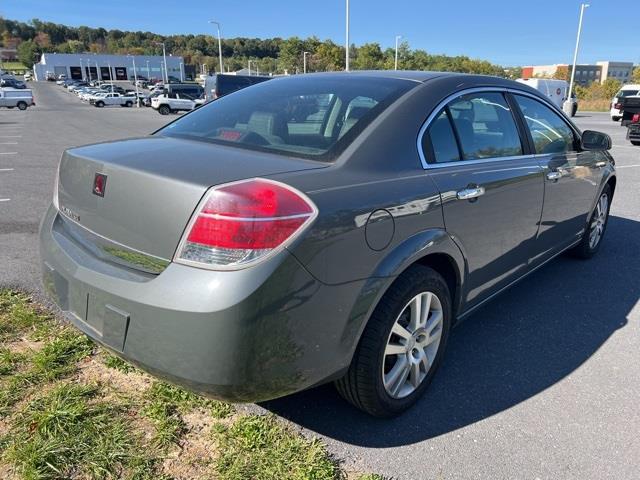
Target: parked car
x,y
109,99
12,98
554,90
317,228
50,77
626,91
13,83
633,130
27,77
629,108
219,85
174,102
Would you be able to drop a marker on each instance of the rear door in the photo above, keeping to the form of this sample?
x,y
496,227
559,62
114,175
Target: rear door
x,y
571,176
491,188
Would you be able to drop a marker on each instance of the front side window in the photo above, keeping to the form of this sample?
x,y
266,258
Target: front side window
x,y
485,126
549,131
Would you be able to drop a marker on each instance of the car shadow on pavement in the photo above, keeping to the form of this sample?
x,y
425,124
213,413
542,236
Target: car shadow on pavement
x,y
522,343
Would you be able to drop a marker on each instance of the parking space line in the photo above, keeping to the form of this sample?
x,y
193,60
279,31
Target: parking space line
x,y
8,153
626,166
10,136
5,199
6,169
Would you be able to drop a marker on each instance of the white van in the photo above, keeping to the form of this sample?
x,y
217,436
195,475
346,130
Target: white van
x,y
11,98
554,90
626,91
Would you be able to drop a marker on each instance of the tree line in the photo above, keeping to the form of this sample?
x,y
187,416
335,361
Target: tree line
x,y
271,55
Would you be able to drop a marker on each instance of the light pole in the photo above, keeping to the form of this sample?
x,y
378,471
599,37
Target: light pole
x,y
89,69
304,61
346,57
395,64
219,44
81,71
249,66
148,72
181,72
164,56
567,106
135,79
110,76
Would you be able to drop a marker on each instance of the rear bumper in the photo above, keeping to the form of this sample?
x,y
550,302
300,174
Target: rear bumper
x,y
633,132
247,335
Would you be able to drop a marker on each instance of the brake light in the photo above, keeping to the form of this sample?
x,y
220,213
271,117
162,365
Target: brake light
x,y
618,106
636,118
241,223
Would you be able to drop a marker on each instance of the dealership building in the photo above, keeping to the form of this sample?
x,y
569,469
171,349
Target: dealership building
x,y
91,66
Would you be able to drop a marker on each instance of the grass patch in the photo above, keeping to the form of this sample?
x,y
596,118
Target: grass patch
x,y
261,448
598,105
10,361
19,316
115,362
221,410
70,433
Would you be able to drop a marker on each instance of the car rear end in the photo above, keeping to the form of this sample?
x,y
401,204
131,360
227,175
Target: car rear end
x,y
174,251
616,105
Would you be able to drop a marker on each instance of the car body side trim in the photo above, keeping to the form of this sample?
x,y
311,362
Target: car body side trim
x,y
423,159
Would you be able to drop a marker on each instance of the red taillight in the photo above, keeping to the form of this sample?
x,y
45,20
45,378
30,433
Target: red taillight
x,y
242,222
617,106
636,118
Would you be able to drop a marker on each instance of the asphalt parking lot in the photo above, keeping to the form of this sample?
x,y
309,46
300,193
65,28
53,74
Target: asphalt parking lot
x,y
542,383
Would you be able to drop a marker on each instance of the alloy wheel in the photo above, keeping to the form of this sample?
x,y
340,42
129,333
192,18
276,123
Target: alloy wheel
x,y
412,345
598,221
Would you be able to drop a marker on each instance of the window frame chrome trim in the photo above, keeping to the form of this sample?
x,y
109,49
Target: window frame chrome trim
x,y
423,159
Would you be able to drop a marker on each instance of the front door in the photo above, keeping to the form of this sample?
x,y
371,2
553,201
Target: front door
x,y
571,177
492,191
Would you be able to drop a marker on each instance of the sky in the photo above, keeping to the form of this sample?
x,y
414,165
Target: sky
x,y
505,32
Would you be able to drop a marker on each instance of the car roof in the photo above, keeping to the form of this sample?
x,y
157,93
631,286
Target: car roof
x,y
414,75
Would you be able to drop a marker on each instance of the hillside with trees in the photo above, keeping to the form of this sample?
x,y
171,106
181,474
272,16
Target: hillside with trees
x,y
269,55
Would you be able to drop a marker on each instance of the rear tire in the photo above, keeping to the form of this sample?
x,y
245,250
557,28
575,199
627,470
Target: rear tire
x,y
128,104
22,105
99,104
392,343
591,240
615,119
164,110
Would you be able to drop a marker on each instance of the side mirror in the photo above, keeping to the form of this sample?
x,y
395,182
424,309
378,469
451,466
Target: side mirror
x,y
598,141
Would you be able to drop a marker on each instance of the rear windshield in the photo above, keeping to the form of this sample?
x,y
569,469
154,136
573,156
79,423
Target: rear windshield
x,y
626,93
310,117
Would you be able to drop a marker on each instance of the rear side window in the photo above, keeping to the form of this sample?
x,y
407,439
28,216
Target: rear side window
x,y
443,141
307,117
485,126
549,131
626,93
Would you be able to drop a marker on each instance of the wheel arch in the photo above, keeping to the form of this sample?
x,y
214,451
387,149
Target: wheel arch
x,y
431,248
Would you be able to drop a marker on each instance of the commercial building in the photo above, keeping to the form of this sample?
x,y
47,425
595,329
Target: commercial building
x,y
106,67
621,71
585,74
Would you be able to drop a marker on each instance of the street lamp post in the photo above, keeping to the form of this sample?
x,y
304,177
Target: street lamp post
x,y
148,72
81,71
249,66
567,106
181,72
164,57
304,61
110,76
135,79
219,44
395,64
346,57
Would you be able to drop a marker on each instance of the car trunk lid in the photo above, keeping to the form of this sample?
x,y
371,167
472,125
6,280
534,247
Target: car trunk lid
x,y
141,193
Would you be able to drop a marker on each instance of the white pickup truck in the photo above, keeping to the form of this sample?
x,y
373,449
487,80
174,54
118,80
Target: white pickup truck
x,y
103,99
11,97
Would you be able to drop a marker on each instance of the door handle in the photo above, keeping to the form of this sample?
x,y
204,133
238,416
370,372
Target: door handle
x,y
555,175
470,193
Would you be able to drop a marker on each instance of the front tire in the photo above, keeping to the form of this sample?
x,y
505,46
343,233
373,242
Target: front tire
x,y
402,345
164,110
596,228
22,105
128,104
99,104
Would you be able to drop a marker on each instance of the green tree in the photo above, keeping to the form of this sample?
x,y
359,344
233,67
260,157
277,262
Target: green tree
x,y
28,53
636,75
369,57
610,87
